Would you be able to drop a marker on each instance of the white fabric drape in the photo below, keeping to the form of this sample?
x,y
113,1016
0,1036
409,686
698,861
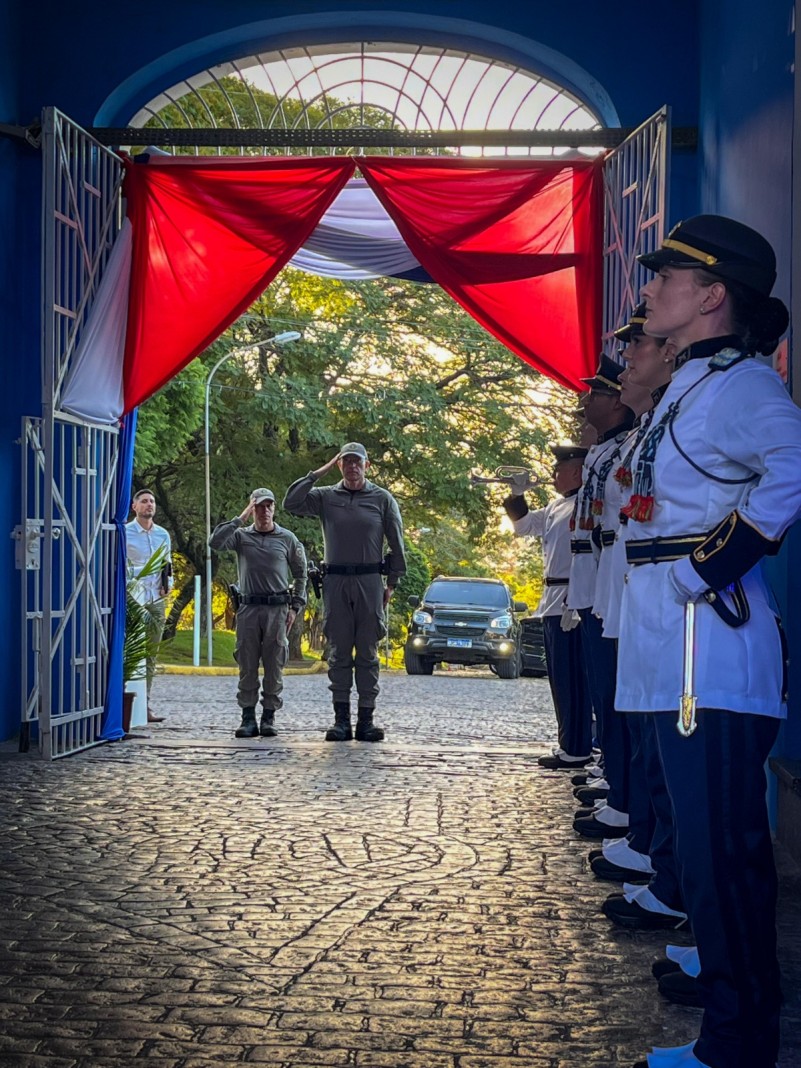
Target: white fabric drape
x,y
355,239
93,386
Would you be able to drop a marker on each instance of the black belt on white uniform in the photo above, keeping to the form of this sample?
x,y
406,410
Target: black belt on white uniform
x,y
662,550
608,538
580,545
266,598
668,550
556,582
353,569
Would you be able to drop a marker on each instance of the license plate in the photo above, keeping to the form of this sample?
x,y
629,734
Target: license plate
x,y
459,643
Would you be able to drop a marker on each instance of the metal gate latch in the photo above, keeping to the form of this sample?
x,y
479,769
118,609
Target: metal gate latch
x,y
27,552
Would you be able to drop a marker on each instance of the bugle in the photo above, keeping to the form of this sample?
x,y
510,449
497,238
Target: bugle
x,y
519,478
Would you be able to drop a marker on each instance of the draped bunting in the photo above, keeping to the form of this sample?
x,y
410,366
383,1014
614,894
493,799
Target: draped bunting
x,y
356,239
209,237
517,244
93,386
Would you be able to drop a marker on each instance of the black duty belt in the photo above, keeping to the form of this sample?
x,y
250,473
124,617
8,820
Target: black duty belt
x,y
662,550
580,545
266,598
666,550
608,538
353,569
556,582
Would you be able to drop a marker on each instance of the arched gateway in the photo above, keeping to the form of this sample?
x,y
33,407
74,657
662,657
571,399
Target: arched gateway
x,y
77,469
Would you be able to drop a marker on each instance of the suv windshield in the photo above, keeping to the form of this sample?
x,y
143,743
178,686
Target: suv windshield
x,y
484,594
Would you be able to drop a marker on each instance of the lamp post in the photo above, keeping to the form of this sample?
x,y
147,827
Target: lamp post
x,y
279,339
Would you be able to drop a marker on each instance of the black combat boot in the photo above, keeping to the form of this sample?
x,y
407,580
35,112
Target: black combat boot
x,y
267,725
247,728
365,731
341,731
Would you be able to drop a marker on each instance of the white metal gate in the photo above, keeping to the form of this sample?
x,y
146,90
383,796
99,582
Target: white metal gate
x,y
636,180
67,540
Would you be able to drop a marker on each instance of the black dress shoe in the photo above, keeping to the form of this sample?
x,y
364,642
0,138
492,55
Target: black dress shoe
x,y
579,780
663,966
606,869
632,916
593,853
681,989
558,763
588,795
590,827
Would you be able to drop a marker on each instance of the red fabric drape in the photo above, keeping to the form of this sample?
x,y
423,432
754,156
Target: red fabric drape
x,y
209,237
516,243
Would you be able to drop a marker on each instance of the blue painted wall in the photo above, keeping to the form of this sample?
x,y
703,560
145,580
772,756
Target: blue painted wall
x,y
18,313
746,131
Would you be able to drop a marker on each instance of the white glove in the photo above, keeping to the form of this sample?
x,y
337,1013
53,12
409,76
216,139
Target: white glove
x,y
686,584
518,484
570,619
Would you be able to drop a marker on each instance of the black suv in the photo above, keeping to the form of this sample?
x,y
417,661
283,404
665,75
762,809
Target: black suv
x,y
465,621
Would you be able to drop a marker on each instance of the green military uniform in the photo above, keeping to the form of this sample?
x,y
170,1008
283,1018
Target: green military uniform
x,y
265,560
355,525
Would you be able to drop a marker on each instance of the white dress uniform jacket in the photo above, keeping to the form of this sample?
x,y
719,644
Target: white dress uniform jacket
x,y
614,498
552,524
734,423
584,566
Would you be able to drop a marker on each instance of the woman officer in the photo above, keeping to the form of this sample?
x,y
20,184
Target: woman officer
x,y
717,482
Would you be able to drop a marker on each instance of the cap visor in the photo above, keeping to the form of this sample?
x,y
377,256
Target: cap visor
x,y
666,257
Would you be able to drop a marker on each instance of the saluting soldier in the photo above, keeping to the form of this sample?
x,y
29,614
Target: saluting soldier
x,y
272,577
612,420
566,673
357,517
717,482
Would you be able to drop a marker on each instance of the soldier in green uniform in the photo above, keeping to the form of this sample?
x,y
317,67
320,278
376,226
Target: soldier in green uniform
x,y
270,559
357,517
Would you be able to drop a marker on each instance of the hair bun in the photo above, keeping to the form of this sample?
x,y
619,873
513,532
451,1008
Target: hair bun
x,y
768,322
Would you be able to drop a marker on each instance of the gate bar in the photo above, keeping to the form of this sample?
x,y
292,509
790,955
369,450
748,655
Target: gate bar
x,y
363,137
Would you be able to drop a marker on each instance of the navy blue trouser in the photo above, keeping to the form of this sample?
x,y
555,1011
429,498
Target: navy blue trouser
x,y
563,655
641,811
665,883
716,781
613,736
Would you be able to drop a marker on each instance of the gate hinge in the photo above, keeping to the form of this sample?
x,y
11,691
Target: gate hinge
x,y
31,135
27,554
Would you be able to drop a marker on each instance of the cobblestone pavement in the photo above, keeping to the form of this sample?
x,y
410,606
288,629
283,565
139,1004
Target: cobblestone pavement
x,y
193,901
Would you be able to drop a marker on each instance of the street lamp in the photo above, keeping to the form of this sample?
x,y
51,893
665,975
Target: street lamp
x,y
279,339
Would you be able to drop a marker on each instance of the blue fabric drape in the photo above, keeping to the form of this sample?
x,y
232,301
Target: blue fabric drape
x,y
111,728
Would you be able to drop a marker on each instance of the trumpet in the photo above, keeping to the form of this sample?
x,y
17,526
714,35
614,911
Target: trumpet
x,y
520,479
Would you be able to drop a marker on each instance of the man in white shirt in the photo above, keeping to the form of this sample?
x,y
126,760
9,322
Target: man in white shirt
x,y
143,538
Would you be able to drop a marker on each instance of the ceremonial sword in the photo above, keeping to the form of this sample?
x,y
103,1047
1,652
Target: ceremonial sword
x,y
686,722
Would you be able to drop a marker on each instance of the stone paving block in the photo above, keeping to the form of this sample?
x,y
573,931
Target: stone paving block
x,y
207,1052
295,1056
373,1059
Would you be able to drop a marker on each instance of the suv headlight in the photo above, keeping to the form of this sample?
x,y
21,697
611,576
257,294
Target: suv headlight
x,y
503,622
421,618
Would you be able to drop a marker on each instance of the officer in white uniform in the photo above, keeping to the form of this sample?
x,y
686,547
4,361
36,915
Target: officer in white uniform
x,y
717,482
645,859
566,672
612,420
